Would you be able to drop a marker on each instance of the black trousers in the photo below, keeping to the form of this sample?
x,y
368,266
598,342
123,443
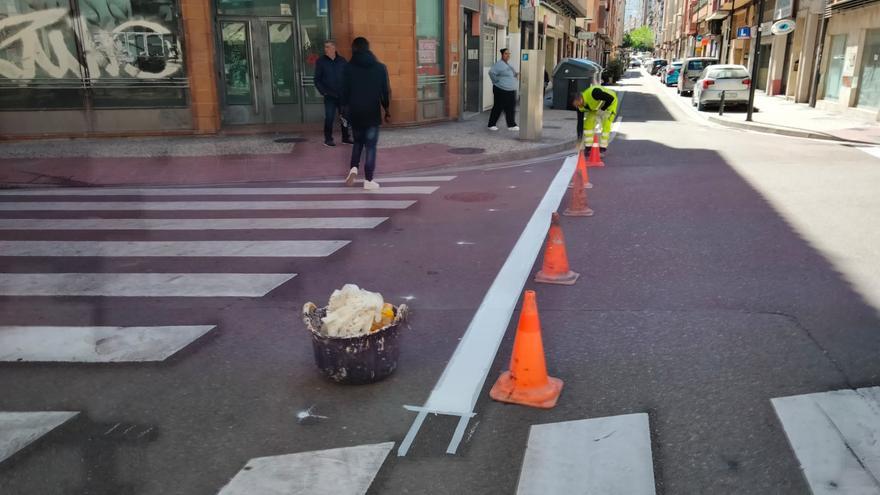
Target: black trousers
x,y
331,109
580,125
504,101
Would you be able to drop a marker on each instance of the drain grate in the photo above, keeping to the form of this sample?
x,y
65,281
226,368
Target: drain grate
x,y
552,127
291,140
466,151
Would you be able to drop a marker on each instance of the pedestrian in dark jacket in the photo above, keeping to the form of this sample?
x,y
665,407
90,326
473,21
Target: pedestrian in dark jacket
x,y
365,93
328,81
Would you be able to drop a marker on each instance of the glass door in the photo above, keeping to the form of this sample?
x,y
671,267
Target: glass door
x,y
835,67
260,82
869,92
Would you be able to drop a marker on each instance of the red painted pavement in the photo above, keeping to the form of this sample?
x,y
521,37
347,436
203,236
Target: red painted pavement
x,y
307,160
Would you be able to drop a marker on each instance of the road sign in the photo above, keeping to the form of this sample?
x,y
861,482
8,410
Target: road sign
x,y
743,33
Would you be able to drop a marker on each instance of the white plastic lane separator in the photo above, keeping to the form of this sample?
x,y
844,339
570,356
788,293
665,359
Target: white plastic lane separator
x,y
95,344
344,471
609,455
213,191
142,284
458,388
189,223
356,204
389,180
836,438
274,249
20,429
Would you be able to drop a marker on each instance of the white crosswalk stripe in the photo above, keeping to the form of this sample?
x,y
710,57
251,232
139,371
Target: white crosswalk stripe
x,y
835,438
215,191
194,224
600,455
95,344
344,471
301,249
204,205
142,284
20,429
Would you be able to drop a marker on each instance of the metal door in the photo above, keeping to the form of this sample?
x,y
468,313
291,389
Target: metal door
x,y
261,79
471,64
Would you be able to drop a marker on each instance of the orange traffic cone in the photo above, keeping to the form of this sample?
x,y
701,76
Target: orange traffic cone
x,y
582,169
555,269
595,158
526,382
577,204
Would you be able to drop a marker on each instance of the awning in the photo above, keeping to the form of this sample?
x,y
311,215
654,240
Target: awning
x,y
718,15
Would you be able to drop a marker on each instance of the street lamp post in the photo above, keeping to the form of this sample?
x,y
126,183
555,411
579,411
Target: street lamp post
x,y
756,63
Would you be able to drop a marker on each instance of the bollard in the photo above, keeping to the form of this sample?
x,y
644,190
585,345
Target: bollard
x,y
721,107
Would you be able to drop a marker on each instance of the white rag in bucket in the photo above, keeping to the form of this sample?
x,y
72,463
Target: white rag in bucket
x,y
351,312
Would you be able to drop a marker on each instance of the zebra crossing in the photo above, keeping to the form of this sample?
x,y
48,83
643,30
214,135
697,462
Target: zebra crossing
x,y
95,215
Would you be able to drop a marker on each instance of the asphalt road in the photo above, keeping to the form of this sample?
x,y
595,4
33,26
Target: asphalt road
x,y
722,269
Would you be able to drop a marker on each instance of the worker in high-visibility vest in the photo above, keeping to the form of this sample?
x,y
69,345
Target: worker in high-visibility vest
x,y
599,104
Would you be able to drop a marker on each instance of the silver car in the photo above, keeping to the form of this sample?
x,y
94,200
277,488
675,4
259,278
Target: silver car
x,y
732,80
691,68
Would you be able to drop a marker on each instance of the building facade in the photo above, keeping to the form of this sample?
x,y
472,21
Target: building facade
x,y
142,67
842,36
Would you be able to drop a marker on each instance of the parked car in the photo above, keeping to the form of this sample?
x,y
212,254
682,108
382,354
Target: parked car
x,y
669,75
691,68
658,64
733,80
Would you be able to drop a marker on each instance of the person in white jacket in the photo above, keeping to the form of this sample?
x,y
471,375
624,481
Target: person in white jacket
x,y
504,86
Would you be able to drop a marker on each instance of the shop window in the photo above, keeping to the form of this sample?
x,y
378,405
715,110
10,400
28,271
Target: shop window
x,y
429,45
39,62
258,7
116,53
834,74
314,30
869,83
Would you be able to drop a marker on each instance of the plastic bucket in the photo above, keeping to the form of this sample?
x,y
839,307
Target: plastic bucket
x,y
355,360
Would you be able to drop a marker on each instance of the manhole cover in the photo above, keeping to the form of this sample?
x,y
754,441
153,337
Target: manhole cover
x,y
291,140
471,197
466,151
552,127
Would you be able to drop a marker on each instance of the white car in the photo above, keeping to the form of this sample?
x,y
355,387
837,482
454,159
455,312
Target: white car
x,y
733,80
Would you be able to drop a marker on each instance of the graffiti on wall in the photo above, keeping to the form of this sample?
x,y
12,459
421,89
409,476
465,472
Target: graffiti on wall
x,y
45,44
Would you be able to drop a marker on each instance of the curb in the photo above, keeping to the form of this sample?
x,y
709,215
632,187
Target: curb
x,y
520,154
801,133
507,156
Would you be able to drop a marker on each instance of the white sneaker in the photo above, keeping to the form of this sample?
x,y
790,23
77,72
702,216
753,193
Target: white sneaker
x,y
514,128
493,128
352,175
371,185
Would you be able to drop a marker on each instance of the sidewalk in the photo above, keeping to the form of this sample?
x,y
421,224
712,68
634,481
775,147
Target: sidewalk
x,y
777,115
193,160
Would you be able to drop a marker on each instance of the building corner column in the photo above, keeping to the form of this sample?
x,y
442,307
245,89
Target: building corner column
x,y
199,55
